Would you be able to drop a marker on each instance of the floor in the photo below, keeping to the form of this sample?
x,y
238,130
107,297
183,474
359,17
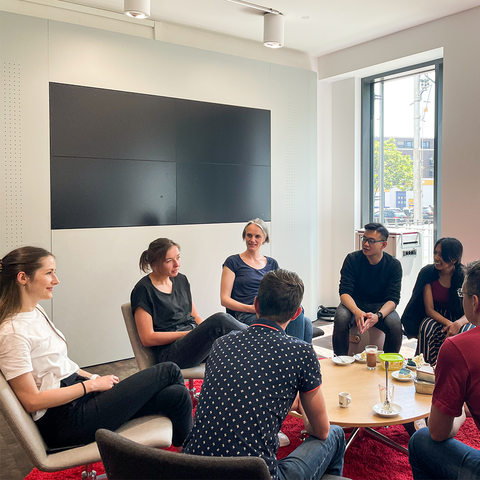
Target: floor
x,y
14,464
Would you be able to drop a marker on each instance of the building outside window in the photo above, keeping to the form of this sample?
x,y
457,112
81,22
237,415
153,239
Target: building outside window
x,y
401,150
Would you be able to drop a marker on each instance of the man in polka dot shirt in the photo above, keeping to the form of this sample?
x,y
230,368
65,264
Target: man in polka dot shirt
x,y
252,379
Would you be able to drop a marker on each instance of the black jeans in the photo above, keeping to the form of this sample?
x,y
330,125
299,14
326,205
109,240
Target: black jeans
x,y
157,390
195,347
344,319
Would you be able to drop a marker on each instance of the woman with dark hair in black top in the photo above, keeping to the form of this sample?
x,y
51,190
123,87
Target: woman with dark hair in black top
x,y
166,317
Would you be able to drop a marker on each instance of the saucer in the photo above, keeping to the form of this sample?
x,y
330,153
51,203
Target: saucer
x,y
378,409
347,360
396,376
358,358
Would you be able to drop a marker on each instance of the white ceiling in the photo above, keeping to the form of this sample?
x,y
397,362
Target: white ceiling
x,y
332,24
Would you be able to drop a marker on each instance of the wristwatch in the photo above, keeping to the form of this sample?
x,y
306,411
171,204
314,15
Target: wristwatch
x,y
380,315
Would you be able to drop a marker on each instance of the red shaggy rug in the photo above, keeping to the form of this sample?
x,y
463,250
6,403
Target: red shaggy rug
x,y
365,459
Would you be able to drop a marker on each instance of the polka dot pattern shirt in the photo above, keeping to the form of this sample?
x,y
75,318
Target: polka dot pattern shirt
x,y
251,381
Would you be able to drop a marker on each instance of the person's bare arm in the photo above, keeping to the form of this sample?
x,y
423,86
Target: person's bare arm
x,y
314,413
84,373
32,399
429,307
226,286
196,315
150,338
443,426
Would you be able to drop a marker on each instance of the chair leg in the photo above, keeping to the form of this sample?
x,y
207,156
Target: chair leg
x,y
193,391
89,473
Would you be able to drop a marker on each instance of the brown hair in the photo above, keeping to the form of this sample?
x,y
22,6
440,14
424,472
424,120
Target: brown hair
x,y
23,259
279,295
156,253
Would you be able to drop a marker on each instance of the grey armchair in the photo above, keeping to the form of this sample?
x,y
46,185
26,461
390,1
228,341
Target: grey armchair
x,y
144,355
124,459
153,430
127,460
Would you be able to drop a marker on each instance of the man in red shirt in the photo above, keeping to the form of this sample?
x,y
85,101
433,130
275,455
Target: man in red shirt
x,y
433,452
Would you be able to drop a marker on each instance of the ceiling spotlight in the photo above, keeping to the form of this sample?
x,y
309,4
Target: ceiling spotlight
x,y
137,8
273,31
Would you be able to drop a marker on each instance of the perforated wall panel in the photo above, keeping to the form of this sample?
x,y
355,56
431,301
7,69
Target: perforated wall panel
x,y
12,153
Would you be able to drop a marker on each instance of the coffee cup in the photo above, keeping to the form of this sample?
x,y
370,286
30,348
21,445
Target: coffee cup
x,y
344,399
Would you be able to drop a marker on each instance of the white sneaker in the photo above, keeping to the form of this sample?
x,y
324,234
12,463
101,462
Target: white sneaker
x,y
284,440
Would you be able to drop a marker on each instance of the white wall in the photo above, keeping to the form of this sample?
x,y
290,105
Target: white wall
x,y
98,267
456,39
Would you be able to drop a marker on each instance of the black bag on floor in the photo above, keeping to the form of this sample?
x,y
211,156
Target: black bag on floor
x,y
326,313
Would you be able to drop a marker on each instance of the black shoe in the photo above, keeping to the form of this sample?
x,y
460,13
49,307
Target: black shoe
x,y
317,332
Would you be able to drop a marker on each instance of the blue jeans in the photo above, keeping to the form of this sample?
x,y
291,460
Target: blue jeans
x,y
301,327
449,459
315,457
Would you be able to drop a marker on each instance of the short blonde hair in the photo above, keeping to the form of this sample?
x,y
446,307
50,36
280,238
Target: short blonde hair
x,y
261,225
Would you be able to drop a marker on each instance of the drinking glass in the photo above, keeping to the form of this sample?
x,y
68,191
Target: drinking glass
x,y
371,351
383,390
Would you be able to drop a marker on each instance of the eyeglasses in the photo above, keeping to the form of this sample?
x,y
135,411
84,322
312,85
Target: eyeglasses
x,y
461,293
370,241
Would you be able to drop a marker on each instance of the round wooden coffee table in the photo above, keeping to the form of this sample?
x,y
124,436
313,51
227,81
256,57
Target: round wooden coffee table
x,y
362,384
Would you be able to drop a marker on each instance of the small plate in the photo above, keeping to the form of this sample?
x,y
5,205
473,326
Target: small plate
x,y
378,409
396,376
358,358
347,360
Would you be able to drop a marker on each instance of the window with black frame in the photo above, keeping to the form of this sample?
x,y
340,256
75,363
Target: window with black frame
x,y
401,150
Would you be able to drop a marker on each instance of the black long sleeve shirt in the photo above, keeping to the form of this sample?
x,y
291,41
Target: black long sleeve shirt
x,y
371,283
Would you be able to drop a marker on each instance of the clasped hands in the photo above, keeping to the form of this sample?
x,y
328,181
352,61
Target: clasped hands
x,y
365,320
453,328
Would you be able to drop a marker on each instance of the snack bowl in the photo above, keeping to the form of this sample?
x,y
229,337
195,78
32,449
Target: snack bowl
x,y
425,388
395,361
426,373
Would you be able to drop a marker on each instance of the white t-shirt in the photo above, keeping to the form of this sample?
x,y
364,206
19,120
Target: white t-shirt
x,y
30,343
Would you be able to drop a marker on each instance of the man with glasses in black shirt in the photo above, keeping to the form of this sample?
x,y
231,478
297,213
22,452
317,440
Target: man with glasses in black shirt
x,y
370,286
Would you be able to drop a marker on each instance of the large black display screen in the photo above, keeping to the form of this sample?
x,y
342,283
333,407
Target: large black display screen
x,y
122,159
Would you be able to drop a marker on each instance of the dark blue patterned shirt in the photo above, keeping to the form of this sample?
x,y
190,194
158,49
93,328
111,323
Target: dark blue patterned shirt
x,y
251,381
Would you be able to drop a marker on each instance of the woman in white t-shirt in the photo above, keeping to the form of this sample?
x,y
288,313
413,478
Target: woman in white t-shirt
x,y
67,403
